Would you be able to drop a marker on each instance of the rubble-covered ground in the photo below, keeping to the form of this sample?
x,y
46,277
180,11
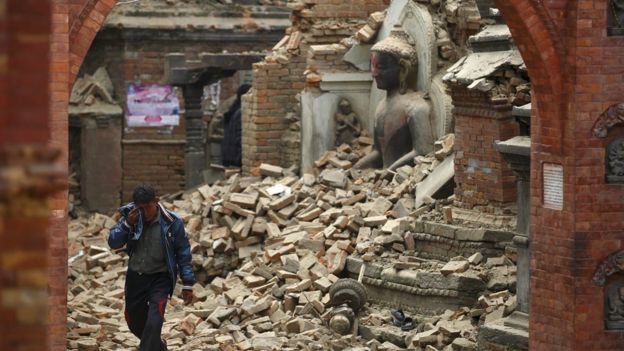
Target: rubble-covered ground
x,y
266,251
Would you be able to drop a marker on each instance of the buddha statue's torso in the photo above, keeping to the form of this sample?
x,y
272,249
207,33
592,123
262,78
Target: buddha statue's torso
x,y
402,124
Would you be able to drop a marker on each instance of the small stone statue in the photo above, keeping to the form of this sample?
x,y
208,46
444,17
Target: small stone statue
x,y
616,14
614,307
615,171
612,266
347,124
403,129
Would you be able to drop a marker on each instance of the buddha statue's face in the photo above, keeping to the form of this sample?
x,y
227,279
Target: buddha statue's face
x,y
386,71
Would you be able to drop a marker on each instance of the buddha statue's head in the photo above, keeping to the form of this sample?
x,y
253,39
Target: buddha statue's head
x,y
392,61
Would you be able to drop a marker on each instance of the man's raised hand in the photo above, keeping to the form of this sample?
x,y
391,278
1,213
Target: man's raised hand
x,y
133,216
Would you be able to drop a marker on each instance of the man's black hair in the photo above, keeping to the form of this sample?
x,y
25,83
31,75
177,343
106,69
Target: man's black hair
x,y
143,194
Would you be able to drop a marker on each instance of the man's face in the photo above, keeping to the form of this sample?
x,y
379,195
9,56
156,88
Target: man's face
x,y
150,209
386,71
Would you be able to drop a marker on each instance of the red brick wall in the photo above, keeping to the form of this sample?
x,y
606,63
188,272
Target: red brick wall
x,y
161,165
264,109
566,309
599,207
57,232
66,56
576,72
142,61
484,179
24,127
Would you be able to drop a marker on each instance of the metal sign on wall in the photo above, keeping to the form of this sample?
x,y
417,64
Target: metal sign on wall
x,y
553,186
152,106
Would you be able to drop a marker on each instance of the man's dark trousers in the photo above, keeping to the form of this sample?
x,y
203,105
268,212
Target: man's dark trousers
x,y
146,299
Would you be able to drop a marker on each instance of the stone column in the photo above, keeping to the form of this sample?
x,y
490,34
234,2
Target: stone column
x,y
516,152
195,159
513,331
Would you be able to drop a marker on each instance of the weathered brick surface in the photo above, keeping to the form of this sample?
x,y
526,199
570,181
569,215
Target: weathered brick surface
x,y
25,27
328,59
265,108
575,71
575,75
154,162
60,82
142,61
483,178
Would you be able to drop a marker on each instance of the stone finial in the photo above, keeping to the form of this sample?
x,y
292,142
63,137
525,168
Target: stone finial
x,y
398,44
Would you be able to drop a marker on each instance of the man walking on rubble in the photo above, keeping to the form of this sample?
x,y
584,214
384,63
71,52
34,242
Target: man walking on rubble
x,y
158,247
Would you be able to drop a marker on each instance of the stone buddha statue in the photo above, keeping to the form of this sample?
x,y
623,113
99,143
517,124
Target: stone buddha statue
x,y
403,129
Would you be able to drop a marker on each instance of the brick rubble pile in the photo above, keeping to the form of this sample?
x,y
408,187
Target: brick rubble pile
x,y
266,251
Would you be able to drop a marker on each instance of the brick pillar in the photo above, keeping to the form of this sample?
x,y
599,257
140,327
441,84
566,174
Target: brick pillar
x,y
27,174
264,111
482,176
576,214
59,139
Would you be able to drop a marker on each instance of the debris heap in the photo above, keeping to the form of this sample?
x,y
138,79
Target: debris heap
x,y
266,251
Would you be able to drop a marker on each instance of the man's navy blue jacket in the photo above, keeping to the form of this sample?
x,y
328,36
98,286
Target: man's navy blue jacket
x,y
173,237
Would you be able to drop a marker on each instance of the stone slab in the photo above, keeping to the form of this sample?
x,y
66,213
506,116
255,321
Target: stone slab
x,y
441,175
318,127
359,56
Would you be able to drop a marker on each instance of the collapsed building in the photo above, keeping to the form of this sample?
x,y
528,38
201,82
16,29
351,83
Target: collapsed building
x,y
445,237
571,51
132,49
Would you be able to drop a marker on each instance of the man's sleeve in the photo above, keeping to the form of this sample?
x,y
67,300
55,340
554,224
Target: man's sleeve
x,y
118,236
183,257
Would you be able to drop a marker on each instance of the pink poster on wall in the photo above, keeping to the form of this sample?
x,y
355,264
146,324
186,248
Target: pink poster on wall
x,y
152,106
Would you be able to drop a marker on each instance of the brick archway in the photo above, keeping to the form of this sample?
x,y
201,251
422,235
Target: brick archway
x,y
528,21
549,36
84,24
534,33
576,74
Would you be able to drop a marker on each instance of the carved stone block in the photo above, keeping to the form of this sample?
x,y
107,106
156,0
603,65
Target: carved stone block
x,y
615,161
610,275
615,17
614,303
